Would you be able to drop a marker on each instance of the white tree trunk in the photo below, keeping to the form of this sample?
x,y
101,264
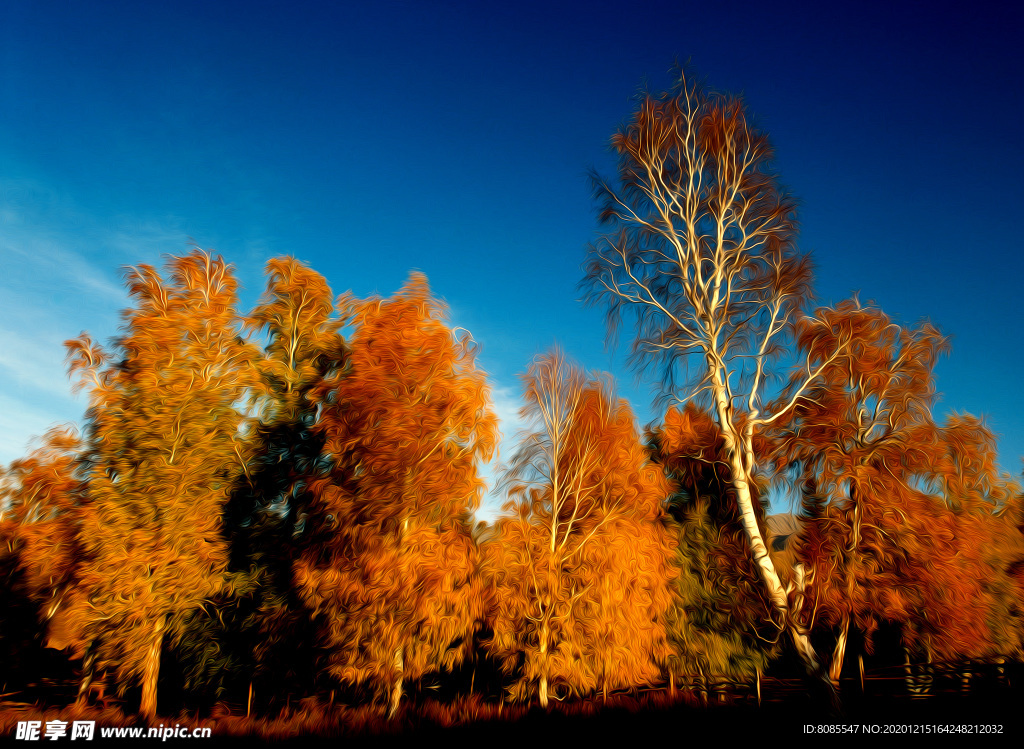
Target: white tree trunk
x,y
396,689
147,707
839,653
543,688
88,665
741,478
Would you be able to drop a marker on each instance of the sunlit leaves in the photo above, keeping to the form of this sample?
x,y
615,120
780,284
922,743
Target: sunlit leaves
x,y
389,563
581,567
46,483
881,545
43,499
163,433
295,518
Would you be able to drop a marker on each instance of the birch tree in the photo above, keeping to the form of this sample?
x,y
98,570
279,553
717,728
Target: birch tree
x,y
899,506
42,501
701,254
163,451
582,568
858,435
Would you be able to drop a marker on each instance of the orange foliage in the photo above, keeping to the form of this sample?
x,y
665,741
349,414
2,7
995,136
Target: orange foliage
x,y
582,570
389,563
163,450
880,546
45,484
42,500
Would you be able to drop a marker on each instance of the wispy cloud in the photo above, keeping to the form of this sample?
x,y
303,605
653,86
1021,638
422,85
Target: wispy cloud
x,y
33,363
61,275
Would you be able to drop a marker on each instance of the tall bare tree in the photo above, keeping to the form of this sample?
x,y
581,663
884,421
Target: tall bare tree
x,y
701,254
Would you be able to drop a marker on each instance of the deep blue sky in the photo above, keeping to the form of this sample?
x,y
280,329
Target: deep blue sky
x,y
454,138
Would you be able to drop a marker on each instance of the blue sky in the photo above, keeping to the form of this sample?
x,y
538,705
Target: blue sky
x,y
454,138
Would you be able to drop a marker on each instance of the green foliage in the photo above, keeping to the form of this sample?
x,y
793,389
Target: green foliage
x,y
711,625
720,623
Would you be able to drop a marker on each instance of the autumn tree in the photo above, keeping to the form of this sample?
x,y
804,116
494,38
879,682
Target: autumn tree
x,y
582,567
296,318
43,498
1005,547
44,484
899,506
164,441
701,254
969,589
858,434
388,563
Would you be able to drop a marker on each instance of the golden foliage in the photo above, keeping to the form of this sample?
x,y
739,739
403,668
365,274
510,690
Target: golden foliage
x,y
881,545
43,498
163,451
389,563
581,570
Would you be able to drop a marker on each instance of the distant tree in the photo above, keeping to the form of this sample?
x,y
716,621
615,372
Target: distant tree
x,y
164,446
582,569
388,561
700,253
1005,548
968,584
46,483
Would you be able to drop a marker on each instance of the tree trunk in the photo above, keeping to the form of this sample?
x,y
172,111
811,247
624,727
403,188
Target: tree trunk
x,y
147,708
543,688
852,564
740,454
88,664
758,549
839,653
396,689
